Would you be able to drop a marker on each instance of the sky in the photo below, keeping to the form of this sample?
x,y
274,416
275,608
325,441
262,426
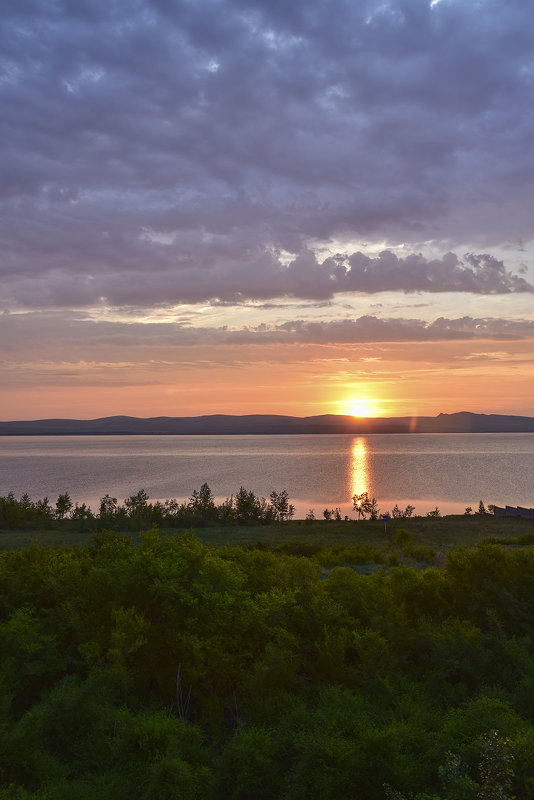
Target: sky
x,y
262,206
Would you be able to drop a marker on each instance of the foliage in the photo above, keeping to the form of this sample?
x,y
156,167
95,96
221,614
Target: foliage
x,y
137,511
495,768
63,505
176,669
434,513
399,513
363,504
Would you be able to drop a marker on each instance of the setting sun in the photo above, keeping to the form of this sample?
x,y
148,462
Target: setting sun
x,y
361,408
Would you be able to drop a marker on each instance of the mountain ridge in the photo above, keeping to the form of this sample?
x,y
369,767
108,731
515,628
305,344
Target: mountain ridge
x,y
275,424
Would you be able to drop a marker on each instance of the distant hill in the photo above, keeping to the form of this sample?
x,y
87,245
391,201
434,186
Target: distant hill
x,y
223,424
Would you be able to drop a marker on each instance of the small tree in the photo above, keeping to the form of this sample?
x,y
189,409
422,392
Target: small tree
x,y
281,508
108,506
399,513
226,510
82,513
202,503
137,503
359,503
63,505
44,510
248,507
371,508
364,504
435,513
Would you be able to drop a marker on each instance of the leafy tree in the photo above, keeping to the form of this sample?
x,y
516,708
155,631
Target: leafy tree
x,y
372,508
250,766
226,510
202,502
108,506
455,779
364,504
248,508
137,504
399,513
11,512
495,768
63,505
282,509
44,511
332,513
82,516
359,502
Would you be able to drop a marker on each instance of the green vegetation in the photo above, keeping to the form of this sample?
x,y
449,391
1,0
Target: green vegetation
x,y
288,660
137,512
245,519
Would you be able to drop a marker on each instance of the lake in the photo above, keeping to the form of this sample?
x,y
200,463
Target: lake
x,y
450,471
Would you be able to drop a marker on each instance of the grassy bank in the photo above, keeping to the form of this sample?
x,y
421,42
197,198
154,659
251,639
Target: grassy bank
x,y
440,534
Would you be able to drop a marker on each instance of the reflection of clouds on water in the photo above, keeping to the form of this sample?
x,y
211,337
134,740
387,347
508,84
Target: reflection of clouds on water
x,y
359,466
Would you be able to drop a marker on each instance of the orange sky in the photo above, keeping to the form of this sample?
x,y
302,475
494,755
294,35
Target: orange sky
x,y
385,379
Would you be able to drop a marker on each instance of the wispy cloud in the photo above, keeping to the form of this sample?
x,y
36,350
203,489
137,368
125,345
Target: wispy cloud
x,y
39,332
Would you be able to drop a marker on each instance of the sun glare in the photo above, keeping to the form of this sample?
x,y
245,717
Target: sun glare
x,y
360,408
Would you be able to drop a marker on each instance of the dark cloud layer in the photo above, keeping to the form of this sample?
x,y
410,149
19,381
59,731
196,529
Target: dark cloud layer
x,y
157,151
263,277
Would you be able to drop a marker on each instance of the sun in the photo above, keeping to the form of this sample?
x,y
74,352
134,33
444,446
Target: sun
x,y
361,407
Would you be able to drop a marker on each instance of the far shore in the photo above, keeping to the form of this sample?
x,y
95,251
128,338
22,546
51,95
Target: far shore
x,y
269,424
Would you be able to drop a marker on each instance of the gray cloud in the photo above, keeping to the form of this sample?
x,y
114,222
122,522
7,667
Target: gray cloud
x,y
263,277
172,149
369,329
39,335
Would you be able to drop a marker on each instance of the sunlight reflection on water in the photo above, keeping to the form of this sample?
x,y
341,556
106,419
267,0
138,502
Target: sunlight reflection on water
x,y
359,467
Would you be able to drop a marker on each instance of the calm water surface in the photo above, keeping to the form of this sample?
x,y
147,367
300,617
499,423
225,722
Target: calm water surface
x,y
451,471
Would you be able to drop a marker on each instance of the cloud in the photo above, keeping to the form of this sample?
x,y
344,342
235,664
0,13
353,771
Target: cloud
x,y
263,277
43,335
369,329
177,149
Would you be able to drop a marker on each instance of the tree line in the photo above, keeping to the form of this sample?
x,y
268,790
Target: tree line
x,y
243,507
